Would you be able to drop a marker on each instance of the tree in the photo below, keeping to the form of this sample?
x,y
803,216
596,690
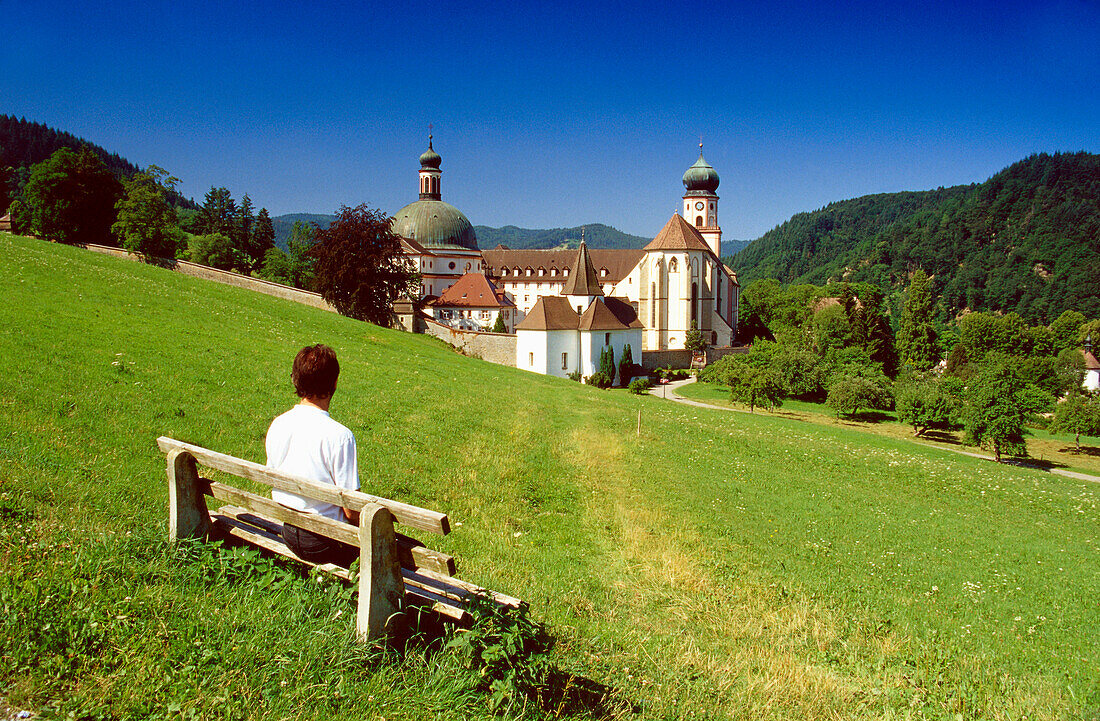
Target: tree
x,y
218,214
1078,414
498,326
263,239
694,341
70,197
212,249
276,267
626,365
754,386
301,259
242,239
146,222
998,402
849,394
1065,329
916,336
607,363
925,405
359,267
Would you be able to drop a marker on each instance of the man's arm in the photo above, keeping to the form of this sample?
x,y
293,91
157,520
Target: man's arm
x,y
351,516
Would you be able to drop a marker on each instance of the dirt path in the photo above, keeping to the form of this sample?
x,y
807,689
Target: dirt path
x,y
668,392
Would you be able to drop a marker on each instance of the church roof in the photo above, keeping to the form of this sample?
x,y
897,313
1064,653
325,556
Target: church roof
x,y
582,280
618,262
551,312
1091,364
610,314
678,234
473,290
434,225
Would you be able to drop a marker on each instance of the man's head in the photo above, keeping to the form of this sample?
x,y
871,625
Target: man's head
x,y
315,372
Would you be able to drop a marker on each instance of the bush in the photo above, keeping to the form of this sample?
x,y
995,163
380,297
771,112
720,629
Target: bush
x,y
598,379
639,386
626,365
574,376
850,394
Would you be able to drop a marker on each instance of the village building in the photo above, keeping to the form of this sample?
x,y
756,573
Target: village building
x,y
1091,381
474,303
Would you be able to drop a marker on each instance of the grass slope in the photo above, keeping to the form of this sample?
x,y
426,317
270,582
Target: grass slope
x,y
717,565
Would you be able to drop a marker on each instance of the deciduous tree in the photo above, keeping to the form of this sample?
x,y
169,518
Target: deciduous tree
x,y
1078,414
998,402
146,222
359,267
754,386
71,197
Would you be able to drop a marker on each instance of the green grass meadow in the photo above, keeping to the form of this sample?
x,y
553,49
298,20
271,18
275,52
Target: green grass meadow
x,y
714,565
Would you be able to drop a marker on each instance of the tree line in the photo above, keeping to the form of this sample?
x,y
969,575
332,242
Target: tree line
x,y
355,263
990,374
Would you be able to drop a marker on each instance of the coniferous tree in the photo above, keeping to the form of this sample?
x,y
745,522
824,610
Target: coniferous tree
x,y
263,239
246,221
916,336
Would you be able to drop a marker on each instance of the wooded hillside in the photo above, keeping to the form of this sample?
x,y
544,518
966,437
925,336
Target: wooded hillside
x,y
24,143
1026,240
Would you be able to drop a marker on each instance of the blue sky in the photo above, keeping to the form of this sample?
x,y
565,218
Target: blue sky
x,y
560,114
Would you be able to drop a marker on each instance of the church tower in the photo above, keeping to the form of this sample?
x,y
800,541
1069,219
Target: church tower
x,y
430,173
701,202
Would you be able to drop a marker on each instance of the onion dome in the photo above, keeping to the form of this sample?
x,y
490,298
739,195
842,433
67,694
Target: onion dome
x,y
701,177
435,224
430,158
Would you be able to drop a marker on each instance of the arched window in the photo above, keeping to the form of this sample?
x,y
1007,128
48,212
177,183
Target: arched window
x,y
695,304
698,221
672,266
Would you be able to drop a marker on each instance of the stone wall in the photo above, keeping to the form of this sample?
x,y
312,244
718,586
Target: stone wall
x,y
259,285
653,359
499,348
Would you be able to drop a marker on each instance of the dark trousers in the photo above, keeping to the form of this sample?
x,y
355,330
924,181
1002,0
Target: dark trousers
x,y
316,548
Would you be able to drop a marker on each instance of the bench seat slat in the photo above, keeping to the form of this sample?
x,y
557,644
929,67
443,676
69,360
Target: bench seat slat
x,y
227,523
412,516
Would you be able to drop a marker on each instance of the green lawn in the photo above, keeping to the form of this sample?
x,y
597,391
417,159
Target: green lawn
x,y
716,565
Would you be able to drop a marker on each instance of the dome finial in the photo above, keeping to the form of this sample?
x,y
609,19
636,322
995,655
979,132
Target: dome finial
x,y
430,137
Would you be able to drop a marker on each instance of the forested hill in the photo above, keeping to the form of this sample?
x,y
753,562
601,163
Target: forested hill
x,y
596,235
24,143
1026,240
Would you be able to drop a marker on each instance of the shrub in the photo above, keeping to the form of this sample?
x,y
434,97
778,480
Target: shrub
x,y
574,376
639,386
626,365
598,379
607,364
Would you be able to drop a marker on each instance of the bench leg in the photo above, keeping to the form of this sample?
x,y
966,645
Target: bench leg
x,y
380,586
187,513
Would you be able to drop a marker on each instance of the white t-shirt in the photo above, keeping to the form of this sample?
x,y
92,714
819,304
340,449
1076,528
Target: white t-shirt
x,y
307,443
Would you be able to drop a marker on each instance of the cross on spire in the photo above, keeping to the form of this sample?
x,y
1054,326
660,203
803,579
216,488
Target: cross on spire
x,y
430,126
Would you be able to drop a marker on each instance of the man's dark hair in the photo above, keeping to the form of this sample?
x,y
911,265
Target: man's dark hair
x,y
315,371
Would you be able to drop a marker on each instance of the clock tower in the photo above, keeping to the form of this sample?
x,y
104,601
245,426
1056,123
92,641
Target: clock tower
x,y
701,202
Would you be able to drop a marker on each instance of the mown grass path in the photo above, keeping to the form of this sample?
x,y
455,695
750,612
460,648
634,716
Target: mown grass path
x,y
716,565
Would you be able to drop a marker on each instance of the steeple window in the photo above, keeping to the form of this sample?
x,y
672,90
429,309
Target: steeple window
x,y
698,221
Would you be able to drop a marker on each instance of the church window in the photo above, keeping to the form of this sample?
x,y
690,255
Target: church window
x,y
531,359
607,339
718,297
565,361
695,303
468,267
698,221
452,265
672,267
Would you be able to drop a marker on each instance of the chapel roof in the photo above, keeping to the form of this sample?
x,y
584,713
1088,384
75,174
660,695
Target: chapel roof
x,y
582,280
551,312
678,234
610,314
1091,364
473,290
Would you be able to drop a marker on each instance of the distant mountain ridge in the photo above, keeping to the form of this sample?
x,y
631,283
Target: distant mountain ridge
x,y
1027,240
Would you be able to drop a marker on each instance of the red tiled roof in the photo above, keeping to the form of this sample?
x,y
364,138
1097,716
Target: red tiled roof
x,y
1091,364
678,234
411,247
473,290
551,312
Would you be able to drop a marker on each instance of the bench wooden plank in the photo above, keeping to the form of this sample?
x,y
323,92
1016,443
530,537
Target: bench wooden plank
x,y
411,553
328,527
412,516
232,522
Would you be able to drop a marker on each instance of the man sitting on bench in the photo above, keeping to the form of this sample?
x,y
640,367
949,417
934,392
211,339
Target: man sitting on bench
x,y
307,443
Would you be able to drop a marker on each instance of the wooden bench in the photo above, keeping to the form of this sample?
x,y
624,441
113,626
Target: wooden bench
x,y
395,570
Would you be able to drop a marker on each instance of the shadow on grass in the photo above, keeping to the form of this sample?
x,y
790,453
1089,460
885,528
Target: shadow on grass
x,y
1091,451
940,437
871,417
